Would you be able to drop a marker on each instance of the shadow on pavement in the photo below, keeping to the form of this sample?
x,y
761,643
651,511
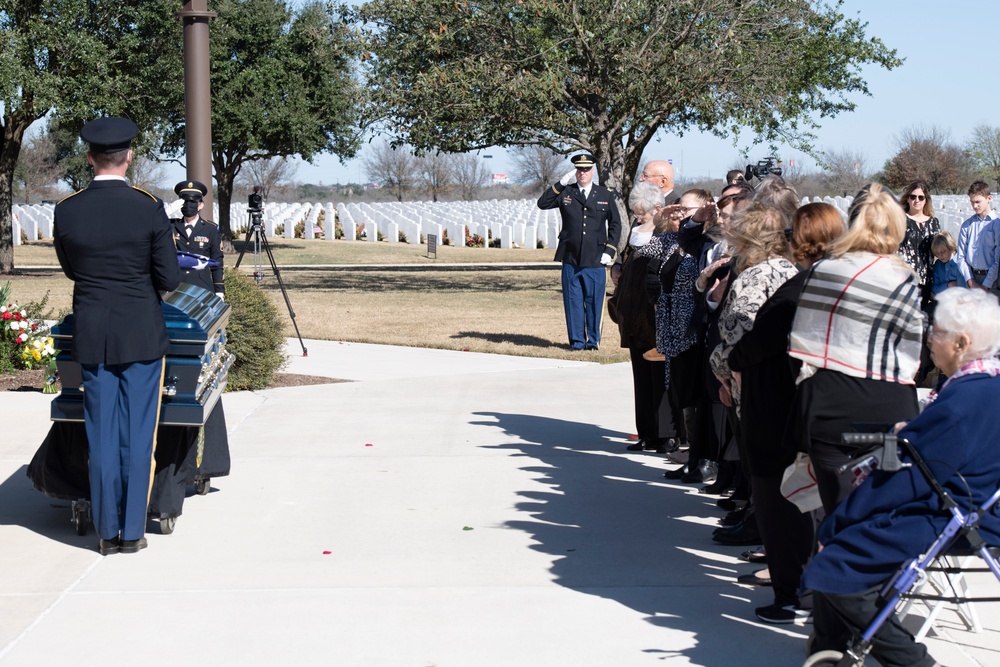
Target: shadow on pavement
x,y
22,505
618,530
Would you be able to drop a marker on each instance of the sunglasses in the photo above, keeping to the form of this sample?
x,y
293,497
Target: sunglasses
x,y
917,198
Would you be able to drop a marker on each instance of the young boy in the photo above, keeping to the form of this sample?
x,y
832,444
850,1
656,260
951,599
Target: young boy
x,y
945,272
977,240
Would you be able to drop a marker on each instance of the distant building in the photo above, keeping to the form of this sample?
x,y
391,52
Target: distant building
x,y
373,186
499,179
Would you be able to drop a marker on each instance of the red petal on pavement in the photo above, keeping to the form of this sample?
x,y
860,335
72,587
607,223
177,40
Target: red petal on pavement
x,y
327,553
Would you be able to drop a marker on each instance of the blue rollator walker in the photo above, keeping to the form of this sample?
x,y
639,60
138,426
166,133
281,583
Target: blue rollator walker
x,y
880,450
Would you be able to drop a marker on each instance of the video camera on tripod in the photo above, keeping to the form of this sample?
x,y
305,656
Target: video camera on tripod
x,y
255,201
257,240
766,167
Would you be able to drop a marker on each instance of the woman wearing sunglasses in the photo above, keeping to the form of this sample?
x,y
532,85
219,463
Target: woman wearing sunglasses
x,y
921,226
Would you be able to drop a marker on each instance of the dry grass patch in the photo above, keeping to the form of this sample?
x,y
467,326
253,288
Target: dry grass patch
x,y
294,252
504,311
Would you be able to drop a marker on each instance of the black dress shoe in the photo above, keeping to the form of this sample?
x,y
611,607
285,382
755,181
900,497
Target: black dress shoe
x,y
745,535
108,547
133,546
675,474
753,580
693,477
637,446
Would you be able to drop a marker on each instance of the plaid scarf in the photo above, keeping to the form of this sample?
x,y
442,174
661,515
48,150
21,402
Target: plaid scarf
x,y
860,315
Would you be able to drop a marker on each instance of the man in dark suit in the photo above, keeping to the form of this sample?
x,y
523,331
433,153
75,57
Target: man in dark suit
x,y
115,243
202,265
588,242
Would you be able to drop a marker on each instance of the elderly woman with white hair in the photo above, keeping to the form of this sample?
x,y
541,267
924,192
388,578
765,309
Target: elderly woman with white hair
x,y
895,516
631,308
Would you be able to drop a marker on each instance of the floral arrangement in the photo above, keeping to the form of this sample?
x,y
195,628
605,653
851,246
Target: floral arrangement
x,y
24,340
474,240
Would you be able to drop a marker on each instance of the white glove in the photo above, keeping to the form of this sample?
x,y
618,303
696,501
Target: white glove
x,y
606,260
568,178
221,296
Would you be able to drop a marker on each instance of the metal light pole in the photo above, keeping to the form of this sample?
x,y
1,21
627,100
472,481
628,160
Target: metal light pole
x,y
198,96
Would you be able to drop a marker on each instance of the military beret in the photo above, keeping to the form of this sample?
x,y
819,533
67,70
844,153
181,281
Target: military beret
x,y
109,134
582,161
190,190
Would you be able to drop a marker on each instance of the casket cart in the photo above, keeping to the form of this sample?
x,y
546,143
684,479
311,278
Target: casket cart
x,y
195,375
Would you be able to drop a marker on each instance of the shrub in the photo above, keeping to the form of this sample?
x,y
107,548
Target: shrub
x,y
540,244
279,230
338,230
255,334
300,229
402,237
495,243
444,238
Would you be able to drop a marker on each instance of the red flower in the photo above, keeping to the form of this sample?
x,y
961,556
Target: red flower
x,y
6,315
34,327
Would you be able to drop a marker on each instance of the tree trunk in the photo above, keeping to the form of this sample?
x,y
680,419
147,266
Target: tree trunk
x,y
13,135
224,179
610,156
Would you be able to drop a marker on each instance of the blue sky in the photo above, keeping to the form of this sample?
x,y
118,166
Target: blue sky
x,y
946,80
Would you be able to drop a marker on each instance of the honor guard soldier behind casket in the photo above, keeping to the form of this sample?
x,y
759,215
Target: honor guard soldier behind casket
x,y
200,257
198,247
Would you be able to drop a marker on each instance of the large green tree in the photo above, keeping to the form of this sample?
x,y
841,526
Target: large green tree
x,y
281,85
606,75
77,59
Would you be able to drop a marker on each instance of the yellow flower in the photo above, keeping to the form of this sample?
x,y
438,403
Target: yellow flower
x,y
37,355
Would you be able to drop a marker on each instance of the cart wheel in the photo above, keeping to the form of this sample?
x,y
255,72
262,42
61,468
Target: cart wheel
x,y
824,659
81,519
203,486
167,525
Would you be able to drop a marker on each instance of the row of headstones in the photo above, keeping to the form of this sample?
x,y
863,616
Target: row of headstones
x,y
950,210
523,227
35,220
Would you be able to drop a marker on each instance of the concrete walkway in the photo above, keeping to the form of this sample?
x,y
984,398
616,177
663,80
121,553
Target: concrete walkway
x,y
444,508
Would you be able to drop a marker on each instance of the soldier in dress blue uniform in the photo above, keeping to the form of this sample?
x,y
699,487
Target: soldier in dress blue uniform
x,y
588,242
196,236
115,243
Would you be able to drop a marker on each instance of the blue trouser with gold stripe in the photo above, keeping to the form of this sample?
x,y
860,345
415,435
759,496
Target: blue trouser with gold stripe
x,y
121,405
583,301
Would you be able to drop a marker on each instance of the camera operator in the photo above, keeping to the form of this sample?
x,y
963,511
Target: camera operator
x,y
198,240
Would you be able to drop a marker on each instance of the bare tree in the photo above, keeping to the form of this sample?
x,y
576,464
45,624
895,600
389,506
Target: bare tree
x,y
847,170
469,172
434,173
537,166
394,169
36,172
983,148
145,172
928,154
268,173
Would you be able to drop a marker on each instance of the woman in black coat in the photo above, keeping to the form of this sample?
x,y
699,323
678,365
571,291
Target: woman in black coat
x,y
766,375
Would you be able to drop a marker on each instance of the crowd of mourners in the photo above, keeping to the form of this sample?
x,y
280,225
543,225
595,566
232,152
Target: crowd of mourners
x,y
761,329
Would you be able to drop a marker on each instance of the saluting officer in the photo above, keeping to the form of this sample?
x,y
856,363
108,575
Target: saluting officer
x,y
114,242
196,236
588,242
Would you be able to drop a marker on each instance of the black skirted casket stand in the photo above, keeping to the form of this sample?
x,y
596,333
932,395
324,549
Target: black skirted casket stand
x,y
197,364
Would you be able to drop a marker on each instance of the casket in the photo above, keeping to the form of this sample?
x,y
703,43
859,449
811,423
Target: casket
x,y
197,364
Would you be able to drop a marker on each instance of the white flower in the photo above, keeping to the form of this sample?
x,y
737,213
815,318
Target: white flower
x,y
22,338
14,326
24,313
3,309
24,324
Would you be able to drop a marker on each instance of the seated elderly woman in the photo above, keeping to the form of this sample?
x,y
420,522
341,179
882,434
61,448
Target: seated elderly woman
x,y
893,517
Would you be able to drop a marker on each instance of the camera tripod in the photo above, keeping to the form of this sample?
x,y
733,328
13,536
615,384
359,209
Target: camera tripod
x,y
256,232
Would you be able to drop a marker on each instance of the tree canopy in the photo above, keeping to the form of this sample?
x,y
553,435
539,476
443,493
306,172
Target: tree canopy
x,y
281,86
605,76
76,60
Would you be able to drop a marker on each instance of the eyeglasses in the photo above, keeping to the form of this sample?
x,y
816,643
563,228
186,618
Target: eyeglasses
x,y
917,198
